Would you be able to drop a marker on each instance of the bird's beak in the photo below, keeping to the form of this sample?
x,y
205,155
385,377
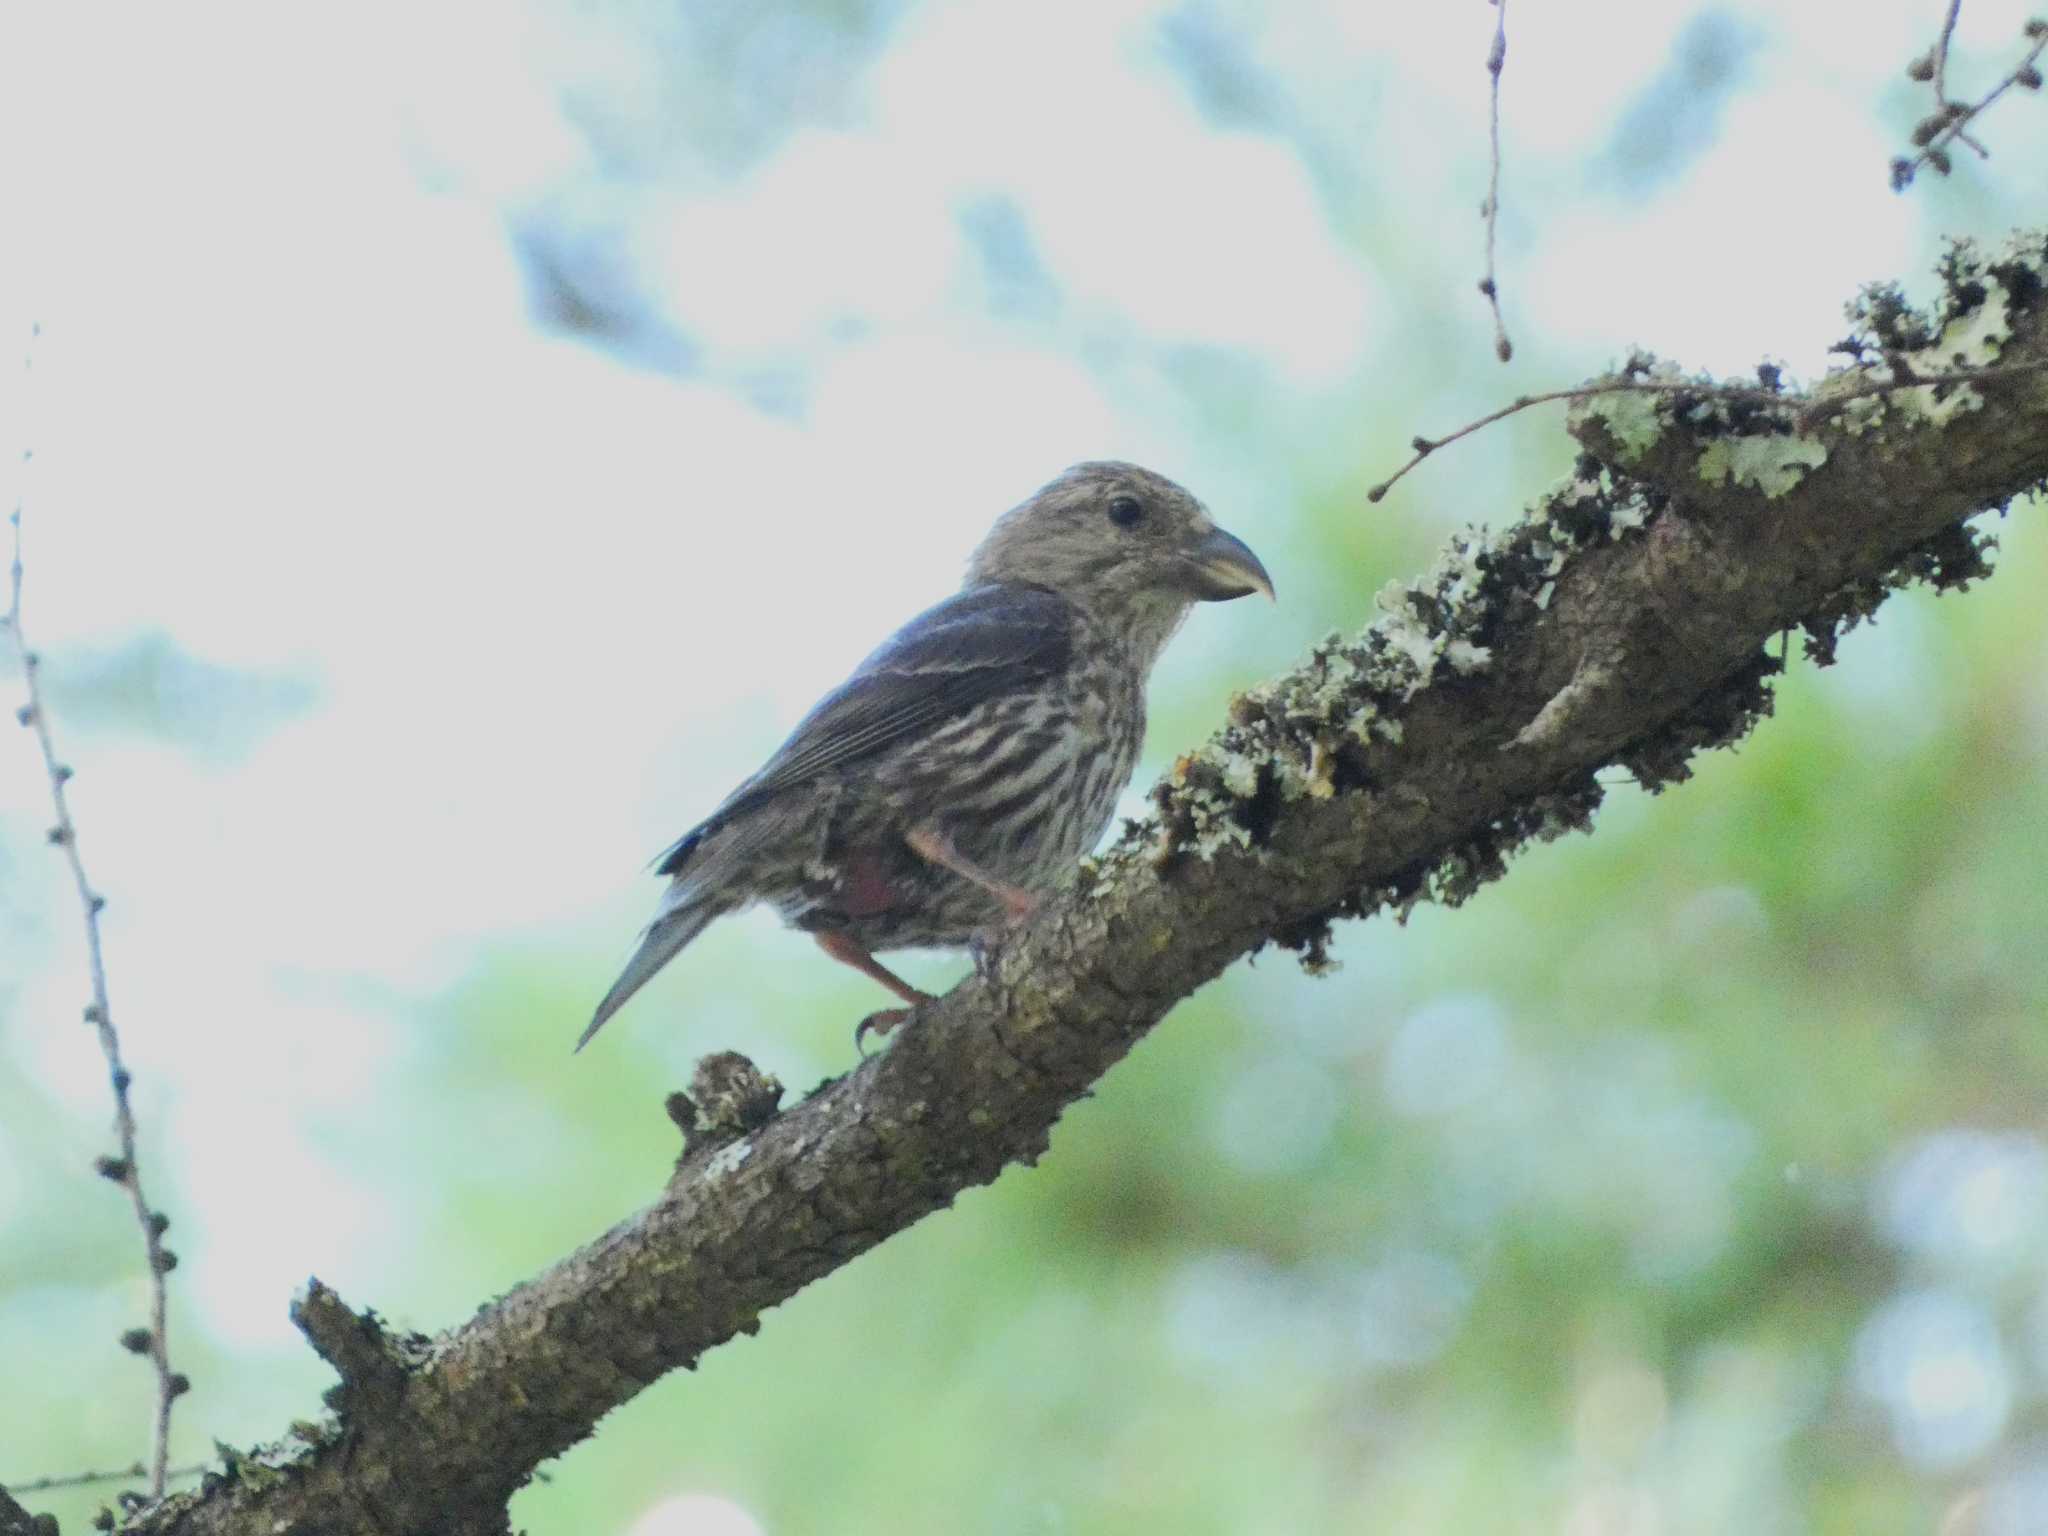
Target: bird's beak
x,y
1223,566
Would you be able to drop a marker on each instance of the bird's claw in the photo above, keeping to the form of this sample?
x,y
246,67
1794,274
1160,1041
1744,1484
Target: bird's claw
x,y
880,1022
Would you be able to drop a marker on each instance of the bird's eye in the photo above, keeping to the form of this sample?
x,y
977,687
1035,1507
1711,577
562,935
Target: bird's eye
x,y
1126,511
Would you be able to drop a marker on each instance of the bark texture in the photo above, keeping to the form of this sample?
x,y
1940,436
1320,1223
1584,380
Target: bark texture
x,y
1630,618
16,1521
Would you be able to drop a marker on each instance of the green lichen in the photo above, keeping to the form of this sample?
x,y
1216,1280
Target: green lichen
x,y
1305,734
1771,464
1982,294
1633,419
1321,731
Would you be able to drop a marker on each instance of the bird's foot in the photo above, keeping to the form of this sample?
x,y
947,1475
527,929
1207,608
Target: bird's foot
x,y
880,1022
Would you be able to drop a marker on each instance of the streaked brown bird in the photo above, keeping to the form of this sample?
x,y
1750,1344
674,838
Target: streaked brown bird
x,y
966,765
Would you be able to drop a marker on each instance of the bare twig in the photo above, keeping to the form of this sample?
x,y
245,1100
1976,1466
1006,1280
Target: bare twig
x,y
1496,61
1811,412
1948,31
124,1168
1948,124
134,1472
1941,96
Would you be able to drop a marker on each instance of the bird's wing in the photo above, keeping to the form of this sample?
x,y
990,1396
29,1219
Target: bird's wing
x,y
976,645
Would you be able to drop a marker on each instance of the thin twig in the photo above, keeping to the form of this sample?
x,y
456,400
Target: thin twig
x,y
125,1167
1948,124
1496,61
1812,412
1948,31
1941,96
130,1473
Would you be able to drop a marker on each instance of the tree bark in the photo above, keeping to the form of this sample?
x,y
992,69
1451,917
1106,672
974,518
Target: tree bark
x,y
1628,619
16,1521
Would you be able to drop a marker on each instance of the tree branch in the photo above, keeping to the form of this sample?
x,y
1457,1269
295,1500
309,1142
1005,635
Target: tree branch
x,y
16,1521
124,1168
1625,620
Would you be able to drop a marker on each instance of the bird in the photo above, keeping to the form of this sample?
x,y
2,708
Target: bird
x,y
938,794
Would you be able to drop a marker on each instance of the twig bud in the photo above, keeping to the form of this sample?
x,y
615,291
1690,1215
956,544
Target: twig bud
x,y
178,1384
137,1341
112,1169
2028,76
159,1223
164,1261
1921,68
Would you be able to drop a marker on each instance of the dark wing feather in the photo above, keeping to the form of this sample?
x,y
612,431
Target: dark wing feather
x,y
975,646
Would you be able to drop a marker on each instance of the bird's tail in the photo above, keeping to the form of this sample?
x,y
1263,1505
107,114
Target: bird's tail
x,y
684,914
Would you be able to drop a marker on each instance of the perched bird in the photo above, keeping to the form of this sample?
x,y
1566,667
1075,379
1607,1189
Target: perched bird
x,y
968,764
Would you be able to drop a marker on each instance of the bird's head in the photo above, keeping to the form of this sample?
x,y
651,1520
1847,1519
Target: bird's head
x,y
1122,543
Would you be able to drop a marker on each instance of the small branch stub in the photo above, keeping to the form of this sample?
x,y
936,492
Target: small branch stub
x,y
372,1368
731,1098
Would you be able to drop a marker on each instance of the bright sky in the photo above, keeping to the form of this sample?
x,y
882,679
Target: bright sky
x,y
290,410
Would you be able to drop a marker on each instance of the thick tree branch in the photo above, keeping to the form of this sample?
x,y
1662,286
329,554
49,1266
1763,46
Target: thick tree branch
x,y
1627,620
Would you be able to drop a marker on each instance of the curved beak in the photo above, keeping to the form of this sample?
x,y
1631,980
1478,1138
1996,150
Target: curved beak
x,y
1223,566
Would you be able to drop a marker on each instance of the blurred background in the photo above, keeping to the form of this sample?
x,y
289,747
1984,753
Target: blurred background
x,y
466,438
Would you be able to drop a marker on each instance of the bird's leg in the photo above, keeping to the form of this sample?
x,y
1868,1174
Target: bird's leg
x,y
932,845
847,952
